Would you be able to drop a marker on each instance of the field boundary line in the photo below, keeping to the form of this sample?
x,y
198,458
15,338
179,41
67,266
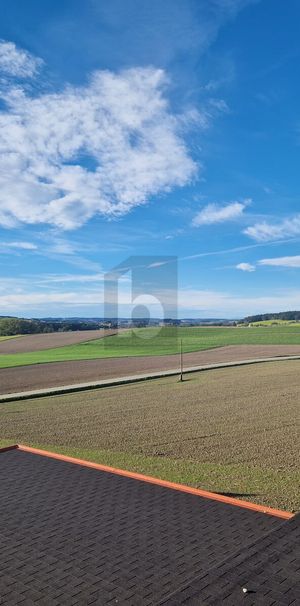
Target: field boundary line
x,y
286,515
126,380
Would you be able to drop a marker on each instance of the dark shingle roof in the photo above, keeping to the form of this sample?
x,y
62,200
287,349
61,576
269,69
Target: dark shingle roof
x,y
71,535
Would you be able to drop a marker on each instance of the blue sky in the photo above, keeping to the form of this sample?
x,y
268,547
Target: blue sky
x,y
138,128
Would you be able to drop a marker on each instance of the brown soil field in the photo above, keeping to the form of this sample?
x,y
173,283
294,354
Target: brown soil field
x,y
24,378
232,429
26,343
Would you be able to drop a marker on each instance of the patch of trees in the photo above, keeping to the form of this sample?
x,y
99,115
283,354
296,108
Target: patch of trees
x,y
20,326
282,315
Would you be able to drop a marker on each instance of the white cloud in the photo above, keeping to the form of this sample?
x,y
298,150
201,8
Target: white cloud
x,y
158,264
45,299
63,278
214,213
199,303
282,261
20,245
103,148
62,247
245,267
226,304
17,62
265,232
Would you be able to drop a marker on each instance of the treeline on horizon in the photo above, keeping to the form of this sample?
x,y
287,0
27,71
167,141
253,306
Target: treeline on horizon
x,y
20,326
10,326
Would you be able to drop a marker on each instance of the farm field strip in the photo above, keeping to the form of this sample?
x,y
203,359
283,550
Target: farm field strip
x,y
276,322
26,378
143,343
230,430
39,342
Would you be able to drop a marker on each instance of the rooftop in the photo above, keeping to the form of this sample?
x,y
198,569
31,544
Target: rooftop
x,y
76,533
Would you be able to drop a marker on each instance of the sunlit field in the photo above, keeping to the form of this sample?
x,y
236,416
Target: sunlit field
x,y
230,430
151,341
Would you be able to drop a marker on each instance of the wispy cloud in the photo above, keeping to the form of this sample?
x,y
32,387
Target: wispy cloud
x,y
75,278
203,303
246,267
103,148
17,62
264,232
237,249
215,213
293,261
226,304
61,246
162,31
158,264
19,245
20,300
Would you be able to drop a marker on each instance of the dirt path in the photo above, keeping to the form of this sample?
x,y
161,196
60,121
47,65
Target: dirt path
x,y
26,343
38,376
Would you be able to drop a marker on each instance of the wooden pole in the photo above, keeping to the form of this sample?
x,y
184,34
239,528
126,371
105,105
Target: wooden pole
x,y
181,361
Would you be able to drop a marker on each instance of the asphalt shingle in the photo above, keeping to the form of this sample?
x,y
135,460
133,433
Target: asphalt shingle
x,y
71,535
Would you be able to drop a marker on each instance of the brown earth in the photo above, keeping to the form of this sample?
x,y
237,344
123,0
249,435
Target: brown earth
x,y
26,343
231,430
37,376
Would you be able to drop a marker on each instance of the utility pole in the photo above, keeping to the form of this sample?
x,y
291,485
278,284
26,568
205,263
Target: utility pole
x,y
181,362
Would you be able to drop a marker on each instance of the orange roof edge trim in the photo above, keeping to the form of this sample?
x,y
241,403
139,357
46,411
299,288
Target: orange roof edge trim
x,y
11,447
164,483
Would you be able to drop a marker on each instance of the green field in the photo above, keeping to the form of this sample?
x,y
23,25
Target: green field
x,y
229,430
147,342
8,337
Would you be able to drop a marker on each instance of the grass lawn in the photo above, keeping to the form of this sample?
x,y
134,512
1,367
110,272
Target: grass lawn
x,y
147,342
230,430
9,337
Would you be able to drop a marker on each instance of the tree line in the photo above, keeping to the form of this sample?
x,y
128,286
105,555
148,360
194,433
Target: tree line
x,y
22,326
282,315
